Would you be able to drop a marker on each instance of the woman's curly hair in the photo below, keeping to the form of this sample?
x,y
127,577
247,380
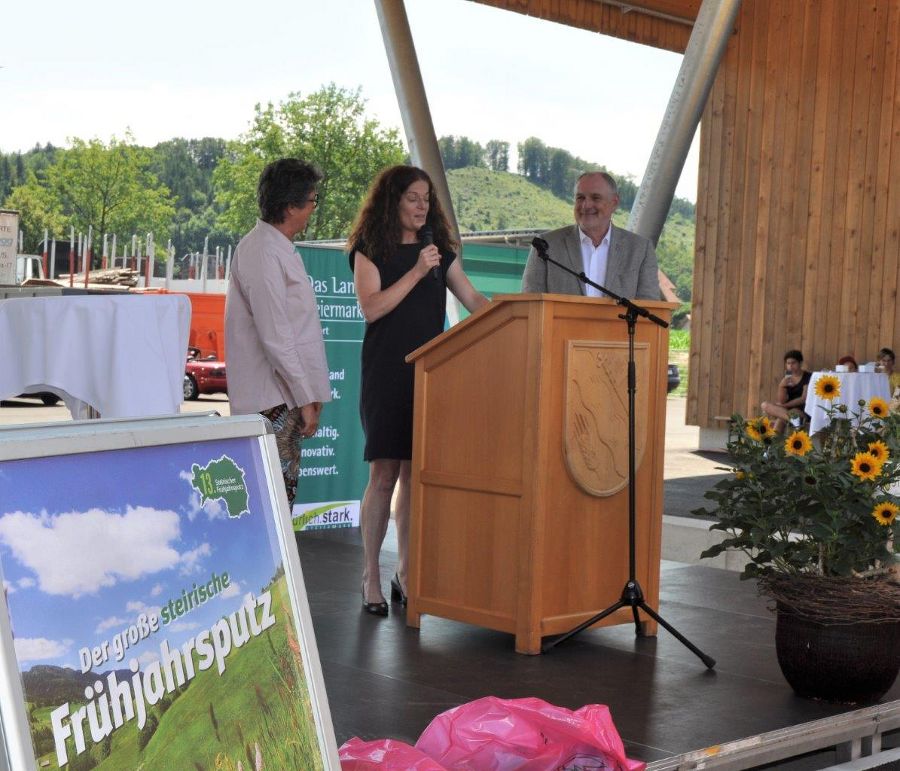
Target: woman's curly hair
x,y
376,230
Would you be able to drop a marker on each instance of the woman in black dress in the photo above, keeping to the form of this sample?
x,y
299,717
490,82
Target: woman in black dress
x,y
402,258
791,391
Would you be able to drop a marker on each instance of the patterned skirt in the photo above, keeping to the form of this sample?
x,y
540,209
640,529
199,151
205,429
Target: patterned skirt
x,y
288,425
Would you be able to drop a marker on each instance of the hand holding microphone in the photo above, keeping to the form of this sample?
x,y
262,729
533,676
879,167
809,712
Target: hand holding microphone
x,y
426,236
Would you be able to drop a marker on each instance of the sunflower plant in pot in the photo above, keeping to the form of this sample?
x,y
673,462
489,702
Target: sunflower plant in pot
x,y
817,518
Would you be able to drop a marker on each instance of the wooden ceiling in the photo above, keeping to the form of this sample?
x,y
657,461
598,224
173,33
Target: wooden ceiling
x,y
659,23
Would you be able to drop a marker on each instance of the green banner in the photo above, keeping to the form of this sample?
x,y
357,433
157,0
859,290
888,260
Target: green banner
x,y
333,474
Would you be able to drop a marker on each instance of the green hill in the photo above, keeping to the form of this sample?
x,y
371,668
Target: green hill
x,y
498,200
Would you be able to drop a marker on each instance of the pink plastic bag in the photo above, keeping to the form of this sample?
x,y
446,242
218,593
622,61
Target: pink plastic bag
x,y
492,734
390,754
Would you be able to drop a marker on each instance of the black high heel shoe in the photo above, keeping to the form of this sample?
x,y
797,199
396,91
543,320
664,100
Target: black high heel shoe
x,y
397,594
375,608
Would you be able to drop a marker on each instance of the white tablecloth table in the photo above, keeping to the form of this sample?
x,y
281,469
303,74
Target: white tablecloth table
x,y
122,355
854,386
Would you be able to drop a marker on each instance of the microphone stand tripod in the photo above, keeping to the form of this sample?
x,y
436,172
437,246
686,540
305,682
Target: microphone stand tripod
x,y
632,595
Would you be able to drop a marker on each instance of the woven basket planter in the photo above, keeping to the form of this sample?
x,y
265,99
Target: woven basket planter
x,y
851,664
837,656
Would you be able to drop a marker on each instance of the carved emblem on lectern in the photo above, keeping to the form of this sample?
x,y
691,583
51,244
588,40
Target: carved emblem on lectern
x,y
595,440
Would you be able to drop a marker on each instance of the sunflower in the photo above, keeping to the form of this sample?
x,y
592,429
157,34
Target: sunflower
x,y
738,474
885,512
865,466
878,407
828,387
766,427
798,444
753,430
879,450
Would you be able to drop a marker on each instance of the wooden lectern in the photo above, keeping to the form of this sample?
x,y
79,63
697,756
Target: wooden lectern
x,y
520,466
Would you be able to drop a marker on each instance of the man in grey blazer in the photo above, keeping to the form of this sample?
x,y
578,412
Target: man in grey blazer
x,y
621,261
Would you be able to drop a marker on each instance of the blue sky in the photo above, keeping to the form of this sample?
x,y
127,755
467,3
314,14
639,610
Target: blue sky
x,y
88,542
197,68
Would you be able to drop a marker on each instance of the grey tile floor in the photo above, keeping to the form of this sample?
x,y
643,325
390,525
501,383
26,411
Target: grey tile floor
x,y
385,679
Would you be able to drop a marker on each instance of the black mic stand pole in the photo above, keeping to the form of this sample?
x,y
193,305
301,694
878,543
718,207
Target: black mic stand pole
x,y
632,595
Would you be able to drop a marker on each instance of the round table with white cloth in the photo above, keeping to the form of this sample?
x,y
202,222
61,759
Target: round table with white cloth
x,y
854,386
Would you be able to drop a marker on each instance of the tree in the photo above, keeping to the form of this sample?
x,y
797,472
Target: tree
x,y
111,188
447,149
38,210
534,161
461,152
328,128
627,191
106,187
14,167
6,180
186,167
561,171
497,155
469,153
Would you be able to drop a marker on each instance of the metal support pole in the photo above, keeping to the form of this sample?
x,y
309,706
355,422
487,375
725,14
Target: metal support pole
x,y
704,52
401,54
423,146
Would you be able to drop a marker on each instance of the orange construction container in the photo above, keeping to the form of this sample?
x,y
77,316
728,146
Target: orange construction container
x,y
208,324
207,320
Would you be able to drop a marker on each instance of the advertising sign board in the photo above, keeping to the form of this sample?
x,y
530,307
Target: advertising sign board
x,y
155,614
333,474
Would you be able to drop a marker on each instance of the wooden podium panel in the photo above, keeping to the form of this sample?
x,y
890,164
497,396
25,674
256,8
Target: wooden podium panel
x,y
519,469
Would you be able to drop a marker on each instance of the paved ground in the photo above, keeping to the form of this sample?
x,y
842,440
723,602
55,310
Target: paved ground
x,y
681,441
22,410
682,459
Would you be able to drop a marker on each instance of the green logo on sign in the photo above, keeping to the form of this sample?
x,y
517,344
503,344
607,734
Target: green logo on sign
x,y
222,479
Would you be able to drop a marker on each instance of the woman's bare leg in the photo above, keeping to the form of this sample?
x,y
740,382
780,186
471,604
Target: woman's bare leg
x,y
401,515
374,515
781,415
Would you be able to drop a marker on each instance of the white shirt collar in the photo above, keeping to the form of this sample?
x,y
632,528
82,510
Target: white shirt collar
x,y
586,239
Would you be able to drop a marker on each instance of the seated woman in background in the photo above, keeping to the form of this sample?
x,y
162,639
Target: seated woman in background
x,y
887,360
849,362
791,391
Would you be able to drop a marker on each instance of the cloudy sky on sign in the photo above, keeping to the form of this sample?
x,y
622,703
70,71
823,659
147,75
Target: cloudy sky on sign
x,y
196,69
118,534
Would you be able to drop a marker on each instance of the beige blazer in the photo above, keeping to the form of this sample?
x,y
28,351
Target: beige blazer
x,y
273,338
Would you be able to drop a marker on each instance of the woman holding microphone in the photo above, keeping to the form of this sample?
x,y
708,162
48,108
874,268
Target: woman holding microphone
x,y
403,261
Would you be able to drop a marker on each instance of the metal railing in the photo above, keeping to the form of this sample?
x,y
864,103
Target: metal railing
x,y
854,735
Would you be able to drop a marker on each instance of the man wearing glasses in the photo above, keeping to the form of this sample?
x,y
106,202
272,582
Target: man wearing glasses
x,y
276,355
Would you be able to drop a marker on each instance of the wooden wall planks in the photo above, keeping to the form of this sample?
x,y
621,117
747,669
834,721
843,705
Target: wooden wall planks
x,y
797,227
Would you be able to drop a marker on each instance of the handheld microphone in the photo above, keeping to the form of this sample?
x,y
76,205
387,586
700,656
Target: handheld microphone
x,y
426,236
541,246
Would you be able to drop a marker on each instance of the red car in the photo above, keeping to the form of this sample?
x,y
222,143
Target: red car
x,y
203,376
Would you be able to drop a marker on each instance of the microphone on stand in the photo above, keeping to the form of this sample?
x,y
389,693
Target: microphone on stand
x,y
426,236
541,246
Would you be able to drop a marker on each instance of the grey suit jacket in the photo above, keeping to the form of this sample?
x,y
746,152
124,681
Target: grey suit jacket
x,y
631,270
